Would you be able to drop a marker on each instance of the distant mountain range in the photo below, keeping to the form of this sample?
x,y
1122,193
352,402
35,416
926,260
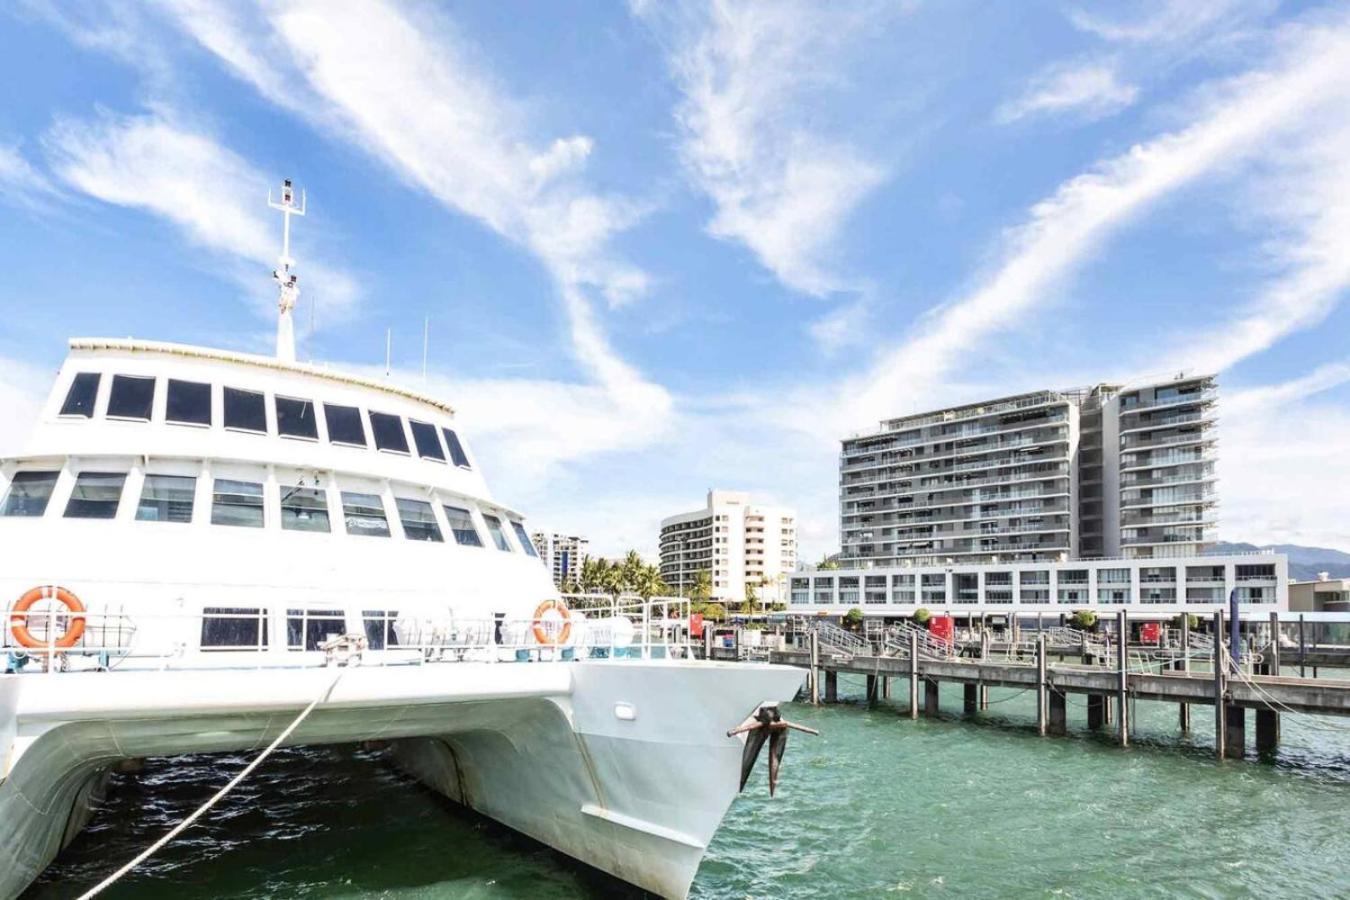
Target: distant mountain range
x,y
1304,562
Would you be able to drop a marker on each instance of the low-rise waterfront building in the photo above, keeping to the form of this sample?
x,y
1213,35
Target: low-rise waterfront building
x,y
1325,594
561,553
1198,584
746,549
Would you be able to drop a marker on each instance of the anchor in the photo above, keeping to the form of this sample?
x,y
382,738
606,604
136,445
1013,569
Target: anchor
x,y
767,724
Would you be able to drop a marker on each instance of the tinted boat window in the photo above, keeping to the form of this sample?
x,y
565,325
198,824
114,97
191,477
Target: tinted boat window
x,y
428,444
419,521
344,425
379,626
188,402
131,397
525,543
81,396
295,418
96,495
308,629
457,454
245,410
304,509
237,503
233,628
28,494
461,526
167,498
388,431
495,529
364,514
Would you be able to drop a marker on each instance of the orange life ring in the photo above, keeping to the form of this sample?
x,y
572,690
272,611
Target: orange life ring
x,y
18,619
541,633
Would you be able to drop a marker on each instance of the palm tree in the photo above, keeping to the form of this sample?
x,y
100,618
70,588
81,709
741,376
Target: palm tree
x,y
702,586
649,583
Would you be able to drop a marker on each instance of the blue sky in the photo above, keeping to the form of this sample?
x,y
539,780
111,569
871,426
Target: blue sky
x,y
670,246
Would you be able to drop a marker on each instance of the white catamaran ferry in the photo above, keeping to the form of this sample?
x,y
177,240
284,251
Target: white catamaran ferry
x,y
203,548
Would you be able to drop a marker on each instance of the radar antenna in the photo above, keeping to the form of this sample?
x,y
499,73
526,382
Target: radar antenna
x,y
287,282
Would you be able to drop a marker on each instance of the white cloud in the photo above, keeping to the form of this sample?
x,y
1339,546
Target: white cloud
x,y
1090,91
746,72
22,185
213,196
406,90
23,388
1169,21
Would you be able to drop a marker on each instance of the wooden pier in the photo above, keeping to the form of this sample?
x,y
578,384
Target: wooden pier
x,y
1109,685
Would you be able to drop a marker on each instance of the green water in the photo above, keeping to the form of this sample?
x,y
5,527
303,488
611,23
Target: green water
x,y
877,805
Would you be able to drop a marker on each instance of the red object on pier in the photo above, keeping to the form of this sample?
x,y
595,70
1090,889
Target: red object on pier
x,y
1149,632
696,625
941,627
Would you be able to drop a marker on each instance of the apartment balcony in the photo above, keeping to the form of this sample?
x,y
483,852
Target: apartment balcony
x,y
877,491
1140,442
1136,461
1169,421
945,417
1204,516
1160,536
1139,480
1206,395
915,463
1170,498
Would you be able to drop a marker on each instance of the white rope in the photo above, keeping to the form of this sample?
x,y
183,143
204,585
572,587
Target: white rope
x,y
1312,721
216,798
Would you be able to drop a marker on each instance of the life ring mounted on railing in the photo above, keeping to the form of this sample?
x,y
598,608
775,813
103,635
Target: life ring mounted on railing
x,y
18,618
542,631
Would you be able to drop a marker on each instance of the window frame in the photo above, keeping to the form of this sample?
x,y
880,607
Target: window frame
x,y
523,538
93,473
402,433
261,506
81,377
498,534
191,503
258,614
448,509
431,514
286,492
278,400
46,501
459,457
440,455
346,516
308,617
225,392
210,402
329,408
112,396
383,620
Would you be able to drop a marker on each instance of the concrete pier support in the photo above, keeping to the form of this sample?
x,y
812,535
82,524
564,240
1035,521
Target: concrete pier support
x,y
885,687
1267,731
1235,727
1123,690
1059,713
984,696
814,676
972,693
1096,711
871,690
1042,691
913,674
930,699
831,687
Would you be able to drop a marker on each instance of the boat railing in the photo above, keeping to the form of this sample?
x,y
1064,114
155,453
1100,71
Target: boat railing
x,y
593,627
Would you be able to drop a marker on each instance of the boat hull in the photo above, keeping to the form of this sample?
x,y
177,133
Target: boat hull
x,y
622,764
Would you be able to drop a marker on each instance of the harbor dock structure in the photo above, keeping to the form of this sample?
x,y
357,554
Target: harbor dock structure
x,y
1183,666
1108,470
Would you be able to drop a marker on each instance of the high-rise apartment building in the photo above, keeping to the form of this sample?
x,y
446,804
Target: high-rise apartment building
x,y
1109,470
743,546
561,553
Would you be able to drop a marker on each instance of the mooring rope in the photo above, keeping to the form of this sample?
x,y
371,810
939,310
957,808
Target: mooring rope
x,y
1312,721
217,797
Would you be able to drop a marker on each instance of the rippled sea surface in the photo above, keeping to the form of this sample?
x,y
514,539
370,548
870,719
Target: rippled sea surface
x,y
877,805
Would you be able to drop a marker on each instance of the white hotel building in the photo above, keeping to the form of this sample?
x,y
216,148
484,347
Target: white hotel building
x,y
743,546
562,554
1105,471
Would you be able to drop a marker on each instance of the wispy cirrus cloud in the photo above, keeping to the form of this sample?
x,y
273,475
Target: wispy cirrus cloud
x,y
23,185
209,193
750,76
1089,91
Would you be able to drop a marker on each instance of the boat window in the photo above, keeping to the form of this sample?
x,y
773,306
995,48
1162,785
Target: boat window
x,y
457,454
308,629
234,628
388,431
167,498
237,503
379,625
28,494
419,521
188,402
494,525
245,410
81,396
295,418
462,527
131,397
525,543
304,509
344,425
428,444
364,514
96,495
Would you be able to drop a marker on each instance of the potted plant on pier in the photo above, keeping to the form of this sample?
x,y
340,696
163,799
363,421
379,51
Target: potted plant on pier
x,y
1084,620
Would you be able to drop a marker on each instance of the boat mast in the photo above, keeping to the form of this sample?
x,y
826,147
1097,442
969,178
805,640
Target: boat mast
x,y
288,283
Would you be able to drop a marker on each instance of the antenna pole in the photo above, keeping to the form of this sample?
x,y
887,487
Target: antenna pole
x,y
287,283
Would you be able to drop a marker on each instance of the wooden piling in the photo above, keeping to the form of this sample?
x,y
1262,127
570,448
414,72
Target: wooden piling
x,y
971,695
931,698
1123,688
815,669
1184,709
871,690
1267,731
1059,712
1096,711
913,674
1042,700
831,686
1235,726
1220,708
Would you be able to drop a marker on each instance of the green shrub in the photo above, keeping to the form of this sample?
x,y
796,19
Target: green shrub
x,y
922,615
1084,619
